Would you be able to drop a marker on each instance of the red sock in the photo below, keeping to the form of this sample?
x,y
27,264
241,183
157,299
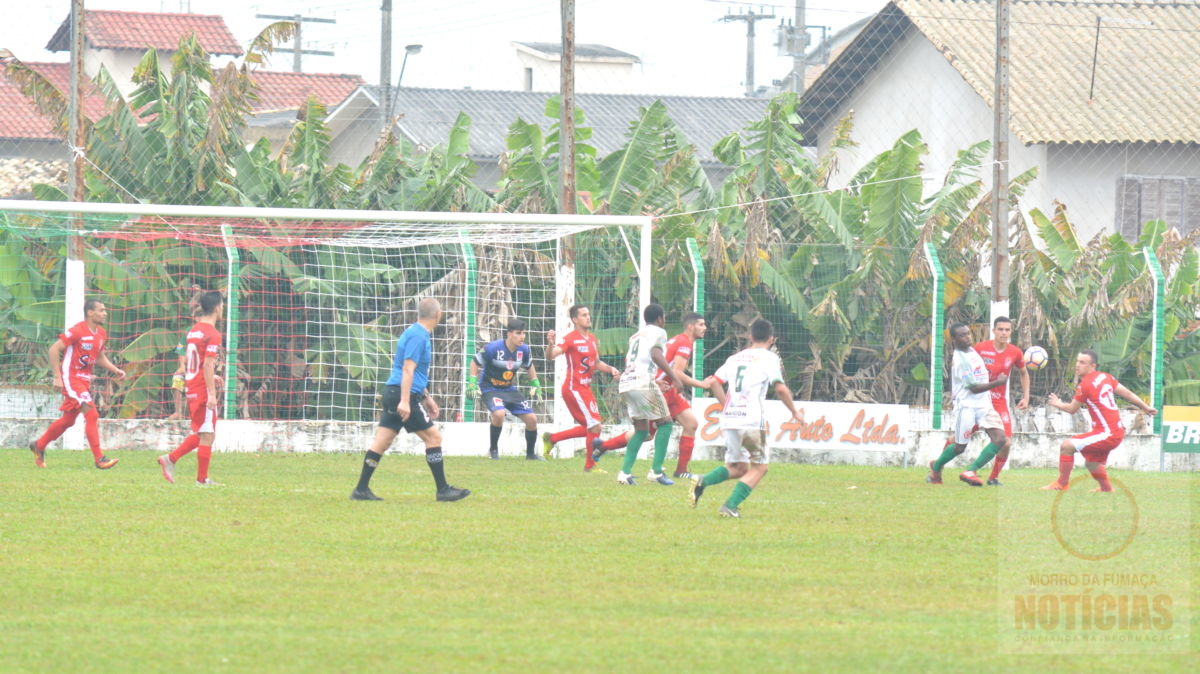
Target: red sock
x,y
189,443
57,428
1101,476
577,432
615,442
203,454
1065,464
686,443
91,429
587,452
997,467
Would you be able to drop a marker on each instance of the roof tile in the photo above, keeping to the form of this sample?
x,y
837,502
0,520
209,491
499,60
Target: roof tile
x,y
289,91
106,29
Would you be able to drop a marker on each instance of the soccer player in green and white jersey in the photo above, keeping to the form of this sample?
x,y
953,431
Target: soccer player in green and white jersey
x,y
749,374
643,398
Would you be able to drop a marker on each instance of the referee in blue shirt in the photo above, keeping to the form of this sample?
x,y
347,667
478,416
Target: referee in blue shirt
x,y
408,405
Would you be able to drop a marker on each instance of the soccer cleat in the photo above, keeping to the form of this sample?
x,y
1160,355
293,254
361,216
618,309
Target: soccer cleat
x,y
696,491
364,495
39,455
934,476
168,467
208,482
626,479
660,478
547,444
970,478
993,482
726,511
493,454
452,493
682,475
594,469
1054,486
104,463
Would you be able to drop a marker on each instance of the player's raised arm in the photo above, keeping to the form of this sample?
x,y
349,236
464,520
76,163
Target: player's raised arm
x,y
553,350
1054,401
1135,399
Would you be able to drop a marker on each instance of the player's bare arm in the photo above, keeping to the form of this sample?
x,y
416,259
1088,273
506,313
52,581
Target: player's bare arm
x,y
715,387
605,367
679,365
1024,401
431,405
554,350
1135,399
55,357
118,373
404,408
210,382
656,355
784,394
987,386
1054,401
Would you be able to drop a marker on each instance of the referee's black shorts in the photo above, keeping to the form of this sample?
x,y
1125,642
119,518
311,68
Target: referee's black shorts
x,y
418,418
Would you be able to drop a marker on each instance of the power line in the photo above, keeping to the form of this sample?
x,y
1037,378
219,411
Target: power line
x,y
298,50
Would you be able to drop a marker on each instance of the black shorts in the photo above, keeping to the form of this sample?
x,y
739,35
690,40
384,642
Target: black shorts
x,y
418,419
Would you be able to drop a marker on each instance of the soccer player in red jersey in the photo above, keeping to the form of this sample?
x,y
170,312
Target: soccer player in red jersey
x,y
679,355
1000,356
583,359
200,377
71,358
1096,390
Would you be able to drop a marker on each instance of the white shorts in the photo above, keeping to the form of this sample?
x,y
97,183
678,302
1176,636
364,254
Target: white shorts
x,y
746,445
646,403
967,418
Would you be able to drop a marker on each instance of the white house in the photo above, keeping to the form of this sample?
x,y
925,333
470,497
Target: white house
x,y
598,69
1103,101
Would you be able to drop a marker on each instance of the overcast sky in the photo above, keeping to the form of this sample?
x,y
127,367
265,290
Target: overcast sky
x,y
684,45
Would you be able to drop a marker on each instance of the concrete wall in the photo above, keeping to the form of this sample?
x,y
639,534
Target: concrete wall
x,y
590,77
1035,446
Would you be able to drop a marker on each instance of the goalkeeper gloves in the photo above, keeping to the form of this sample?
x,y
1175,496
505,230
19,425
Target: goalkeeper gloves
x,y
472,388
535,389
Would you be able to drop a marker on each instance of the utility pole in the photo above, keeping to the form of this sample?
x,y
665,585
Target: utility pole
x,y
298,49
566,122
75,279
385,58
799,49
1000,166
749,17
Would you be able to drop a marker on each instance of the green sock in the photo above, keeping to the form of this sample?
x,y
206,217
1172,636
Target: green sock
x,y
661,440
947,456
631,451
985,456
740,491
716,476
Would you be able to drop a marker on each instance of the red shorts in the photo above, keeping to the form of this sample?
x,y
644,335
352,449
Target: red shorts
x,y
676,403
204,420
1095,445
1002,410
582,405
76,393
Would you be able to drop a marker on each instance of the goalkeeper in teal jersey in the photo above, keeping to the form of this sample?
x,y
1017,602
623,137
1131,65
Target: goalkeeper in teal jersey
x,y
494,376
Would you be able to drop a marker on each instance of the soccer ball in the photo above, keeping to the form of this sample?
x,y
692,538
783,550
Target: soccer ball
x,y
1036,358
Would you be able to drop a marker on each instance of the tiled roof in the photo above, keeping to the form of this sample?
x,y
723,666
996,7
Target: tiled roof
x,y
582,51
429,114
1145,73
19,118
18,175
290,91
105,29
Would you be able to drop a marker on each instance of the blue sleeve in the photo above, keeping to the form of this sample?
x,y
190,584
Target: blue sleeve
x,y
482,356
526,357
412,349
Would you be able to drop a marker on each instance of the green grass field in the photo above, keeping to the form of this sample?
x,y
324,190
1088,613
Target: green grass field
x,y
542,568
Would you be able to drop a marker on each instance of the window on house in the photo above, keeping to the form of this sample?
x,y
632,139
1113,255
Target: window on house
x,y
1173,199
529,79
